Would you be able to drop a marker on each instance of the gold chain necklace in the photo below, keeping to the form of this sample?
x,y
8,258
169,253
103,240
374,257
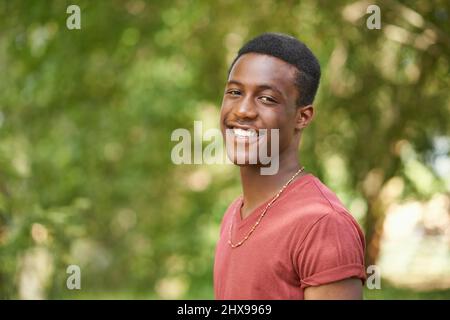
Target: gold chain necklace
x,y
262,214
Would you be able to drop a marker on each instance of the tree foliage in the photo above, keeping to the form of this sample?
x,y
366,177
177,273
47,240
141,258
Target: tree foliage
x,y
86,117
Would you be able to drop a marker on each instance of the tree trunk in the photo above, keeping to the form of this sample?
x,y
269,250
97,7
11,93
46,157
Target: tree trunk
x,y
374,230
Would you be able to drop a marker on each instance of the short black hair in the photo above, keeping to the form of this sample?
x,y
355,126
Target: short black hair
x,y
292,51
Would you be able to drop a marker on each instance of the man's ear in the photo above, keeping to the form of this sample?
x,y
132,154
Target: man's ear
x,y
304,116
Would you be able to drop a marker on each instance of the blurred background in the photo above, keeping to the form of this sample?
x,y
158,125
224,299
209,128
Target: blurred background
x,y
86,117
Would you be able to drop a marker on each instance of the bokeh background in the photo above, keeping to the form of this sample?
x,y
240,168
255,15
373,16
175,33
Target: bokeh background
x,y
86,118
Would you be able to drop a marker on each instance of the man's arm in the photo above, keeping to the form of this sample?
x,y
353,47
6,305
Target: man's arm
x,y
347,289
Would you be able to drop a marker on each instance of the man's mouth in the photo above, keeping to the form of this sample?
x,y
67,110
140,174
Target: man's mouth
x,y
242,131
245,133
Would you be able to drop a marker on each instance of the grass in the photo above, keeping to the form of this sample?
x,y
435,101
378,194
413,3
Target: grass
x,y
390,292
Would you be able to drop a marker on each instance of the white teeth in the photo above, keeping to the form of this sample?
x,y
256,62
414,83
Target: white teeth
x,y
244,133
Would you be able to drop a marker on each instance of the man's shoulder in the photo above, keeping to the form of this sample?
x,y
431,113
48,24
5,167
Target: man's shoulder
x,y
314,196
313,201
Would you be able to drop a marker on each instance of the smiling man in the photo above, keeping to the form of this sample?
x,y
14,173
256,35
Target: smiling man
x,y
288,236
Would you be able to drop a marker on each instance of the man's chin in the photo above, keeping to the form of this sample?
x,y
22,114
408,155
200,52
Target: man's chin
x,y
270,168
243,159
245,162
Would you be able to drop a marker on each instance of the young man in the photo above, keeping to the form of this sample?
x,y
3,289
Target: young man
x,y
288,236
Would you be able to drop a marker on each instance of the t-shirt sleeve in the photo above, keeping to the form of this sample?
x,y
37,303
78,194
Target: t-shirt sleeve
x,y
332,250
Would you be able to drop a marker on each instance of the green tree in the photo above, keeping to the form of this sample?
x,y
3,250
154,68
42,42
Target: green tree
x,y
86,117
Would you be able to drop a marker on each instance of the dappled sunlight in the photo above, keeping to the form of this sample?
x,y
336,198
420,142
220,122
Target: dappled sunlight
x,y
416,244
87,176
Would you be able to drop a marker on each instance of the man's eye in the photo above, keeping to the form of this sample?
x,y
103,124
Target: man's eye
x,y
234,92
266,99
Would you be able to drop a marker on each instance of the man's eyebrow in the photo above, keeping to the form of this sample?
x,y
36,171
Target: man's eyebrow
x,y
234,82
260,86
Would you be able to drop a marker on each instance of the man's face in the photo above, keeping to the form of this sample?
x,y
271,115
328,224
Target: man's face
x,y
260,94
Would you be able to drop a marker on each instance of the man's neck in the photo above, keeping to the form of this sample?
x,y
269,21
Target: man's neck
x,y
259,188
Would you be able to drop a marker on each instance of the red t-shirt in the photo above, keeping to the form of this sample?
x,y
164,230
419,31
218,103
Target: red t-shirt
x,y
307,238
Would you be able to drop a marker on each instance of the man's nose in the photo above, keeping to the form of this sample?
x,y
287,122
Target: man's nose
x,y
246,109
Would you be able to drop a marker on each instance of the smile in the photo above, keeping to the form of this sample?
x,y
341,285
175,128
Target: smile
x,y
244,133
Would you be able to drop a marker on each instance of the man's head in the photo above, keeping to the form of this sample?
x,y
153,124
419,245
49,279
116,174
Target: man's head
x,y
292,51
271,85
